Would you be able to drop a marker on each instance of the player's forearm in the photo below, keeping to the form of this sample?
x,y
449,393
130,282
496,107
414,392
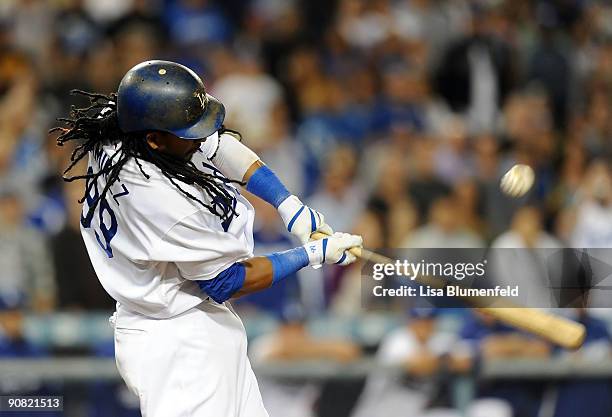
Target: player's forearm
x,y
258,273
255,274
264,271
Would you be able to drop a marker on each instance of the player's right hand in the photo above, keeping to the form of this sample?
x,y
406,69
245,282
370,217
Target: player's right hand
x,y
300,220
333,249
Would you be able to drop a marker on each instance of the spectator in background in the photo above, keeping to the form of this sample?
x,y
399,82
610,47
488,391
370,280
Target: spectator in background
x,y
488,339
98,77
77,285
490,165
12,341
21,128
570,178
427,20
32,28
424,186
134,44
443,230
293,343
386,177
417,348
23,121
597,129
394,149
331,122
280,25
522,256
364,24
587,225
423,350
549,63
476,72
14,345
76,29
491,339
486,154
469,206
587,397
196,22
588,222
305,81
340,195
137,12
106,11
397,213
360,116
280,148
526,232
329,115
348,299
405,98
452,157
25,265
528,126
252,113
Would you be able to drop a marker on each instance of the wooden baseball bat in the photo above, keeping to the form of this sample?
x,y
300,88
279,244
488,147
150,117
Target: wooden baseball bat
x,y
556,329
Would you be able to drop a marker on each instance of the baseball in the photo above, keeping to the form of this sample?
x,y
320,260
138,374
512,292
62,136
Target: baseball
x,y
518,180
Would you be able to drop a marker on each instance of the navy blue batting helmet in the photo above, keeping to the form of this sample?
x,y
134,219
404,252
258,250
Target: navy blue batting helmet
x,y
169,97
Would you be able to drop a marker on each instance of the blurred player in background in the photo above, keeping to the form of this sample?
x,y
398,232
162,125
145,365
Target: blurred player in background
x,y
171,238
429,355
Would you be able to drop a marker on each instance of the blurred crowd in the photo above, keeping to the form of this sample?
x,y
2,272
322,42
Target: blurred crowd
x,y
395,118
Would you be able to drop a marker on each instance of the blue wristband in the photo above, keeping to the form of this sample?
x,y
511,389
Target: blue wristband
x,y
287,263
266,185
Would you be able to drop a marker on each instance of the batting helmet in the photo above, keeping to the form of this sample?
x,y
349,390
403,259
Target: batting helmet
x,y
166,96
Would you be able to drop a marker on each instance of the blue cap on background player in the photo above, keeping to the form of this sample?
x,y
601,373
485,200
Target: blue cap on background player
x,y
423,312
169,97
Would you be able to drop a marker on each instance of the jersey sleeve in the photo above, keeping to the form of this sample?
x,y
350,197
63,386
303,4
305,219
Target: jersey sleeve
x,y
209,147
199,251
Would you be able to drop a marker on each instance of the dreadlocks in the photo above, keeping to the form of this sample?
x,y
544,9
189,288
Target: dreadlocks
x,y
97,124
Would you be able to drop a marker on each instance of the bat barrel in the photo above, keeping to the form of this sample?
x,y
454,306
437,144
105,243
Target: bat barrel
x,y
558,330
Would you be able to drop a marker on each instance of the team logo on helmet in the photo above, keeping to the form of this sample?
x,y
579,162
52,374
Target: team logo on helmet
x,y
202,97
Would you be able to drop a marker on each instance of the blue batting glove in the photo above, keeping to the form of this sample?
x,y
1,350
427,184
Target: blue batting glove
x,y
301,220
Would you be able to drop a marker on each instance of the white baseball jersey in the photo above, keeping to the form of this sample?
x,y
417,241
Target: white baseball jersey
x,y
148,241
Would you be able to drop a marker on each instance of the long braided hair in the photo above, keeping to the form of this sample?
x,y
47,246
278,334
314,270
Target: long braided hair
x,y
93,126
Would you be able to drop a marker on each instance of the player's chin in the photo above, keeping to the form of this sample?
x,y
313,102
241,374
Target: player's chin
x,y
188,155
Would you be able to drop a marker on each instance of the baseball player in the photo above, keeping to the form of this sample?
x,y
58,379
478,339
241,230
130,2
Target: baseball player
x,y
170,238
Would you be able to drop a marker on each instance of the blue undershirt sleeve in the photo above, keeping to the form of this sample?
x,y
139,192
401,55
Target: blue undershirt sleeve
x,y
226,284
267,186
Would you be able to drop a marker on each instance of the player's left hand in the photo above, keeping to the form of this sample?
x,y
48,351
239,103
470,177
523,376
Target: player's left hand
x,y
301,220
